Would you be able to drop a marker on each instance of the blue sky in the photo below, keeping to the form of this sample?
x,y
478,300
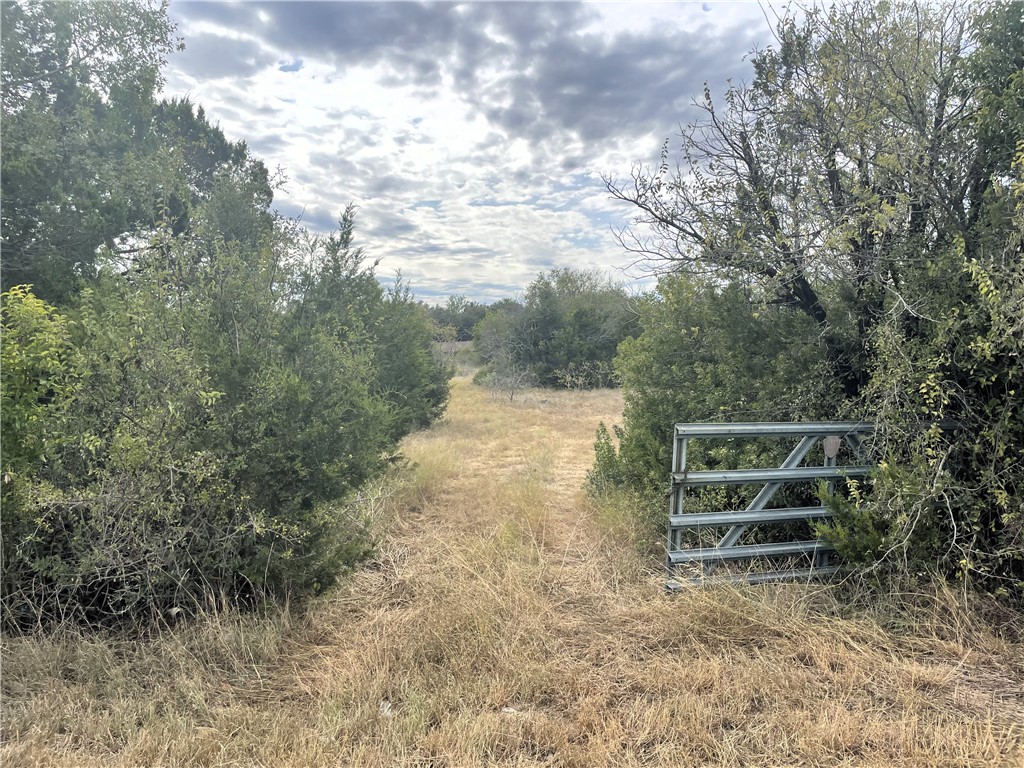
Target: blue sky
x,y
472,137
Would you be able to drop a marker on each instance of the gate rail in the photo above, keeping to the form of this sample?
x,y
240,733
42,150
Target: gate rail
x,y
831,433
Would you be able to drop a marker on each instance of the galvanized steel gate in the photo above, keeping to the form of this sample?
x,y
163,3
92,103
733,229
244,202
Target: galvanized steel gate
x,y
817,551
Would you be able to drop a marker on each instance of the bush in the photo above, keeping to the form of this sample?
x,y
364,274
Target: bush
x,y
201,446
38,373
910,291
565,334
708,353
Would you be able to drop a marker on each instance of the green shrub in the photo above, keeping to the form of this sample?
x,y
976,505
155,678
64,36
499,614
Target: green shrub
x,y
708,353
565,334
850,230
201,448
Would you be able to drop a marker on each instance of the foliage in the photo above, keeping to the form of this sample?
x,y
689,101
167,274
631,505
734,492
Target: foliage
x,y
499,340
113,49
707,353
37,369
460,314
338,287
219,419
119,517
411,378
202,156
875,195
80,167
953,496
184,429
564,334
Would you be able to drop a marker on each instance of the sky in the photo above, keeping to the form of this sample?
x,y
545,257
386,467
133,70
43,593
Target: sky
x,y
472,137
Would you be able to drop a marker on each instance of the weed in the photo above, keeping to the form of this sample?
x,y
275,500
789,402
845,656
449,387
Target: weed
x,y
507,621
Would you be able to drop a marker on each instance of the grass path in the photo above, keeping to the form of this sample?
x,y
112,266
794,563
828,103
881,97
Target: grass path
x,y
505,621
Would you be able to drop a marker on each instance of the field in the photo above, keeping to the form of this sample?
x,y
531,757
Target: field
x,y
507,621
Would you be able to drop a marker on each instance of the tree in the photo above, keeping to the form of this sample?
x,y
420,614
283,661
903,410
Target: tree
x,y
816,179
113,50
340,289
707,352
864,180
500,340
564,334
186,427
79,169
213,417
461,314
38,371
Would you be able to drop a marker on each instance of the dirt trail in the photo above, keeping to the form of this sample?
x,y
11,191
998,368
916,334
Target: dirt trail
x,y
506,621
523,461
507,625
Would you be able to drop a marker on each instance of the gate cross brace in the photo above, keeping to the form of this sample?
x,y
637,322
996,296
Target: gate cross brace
x,y
831,443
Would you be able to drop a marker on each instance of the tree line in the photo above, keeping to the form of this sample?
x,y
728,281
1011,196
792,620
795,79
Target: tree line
x,y
192,384
563,332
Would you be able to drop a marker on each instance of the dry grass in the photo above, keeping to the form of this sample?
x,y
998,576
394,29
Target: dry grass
x,y
505,623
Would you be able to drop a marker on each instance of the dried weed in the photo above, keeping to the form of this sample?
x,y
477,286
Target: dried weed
x,y
505,621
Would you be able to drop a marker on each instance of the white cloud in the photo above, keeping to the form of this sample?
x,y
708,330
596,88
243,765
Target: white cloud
x,y
472,138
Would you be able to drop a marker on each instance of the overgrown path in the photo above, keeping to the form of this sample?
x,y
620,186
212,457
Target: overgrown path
x,y
506,621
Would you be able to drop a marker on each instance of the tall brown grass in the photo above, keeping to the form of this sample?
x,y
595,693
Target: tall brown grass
x,y
505,621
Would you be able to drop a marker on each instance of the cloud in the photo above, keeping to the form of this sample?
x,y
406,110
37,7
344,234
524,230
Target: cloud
x,y
391,225
472,136
317,220
524,66
597,88
344,33
216,56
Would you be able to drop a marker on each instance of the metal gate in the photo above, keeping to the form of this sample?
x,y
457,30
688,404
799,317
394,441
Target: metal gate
x,y
815,552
